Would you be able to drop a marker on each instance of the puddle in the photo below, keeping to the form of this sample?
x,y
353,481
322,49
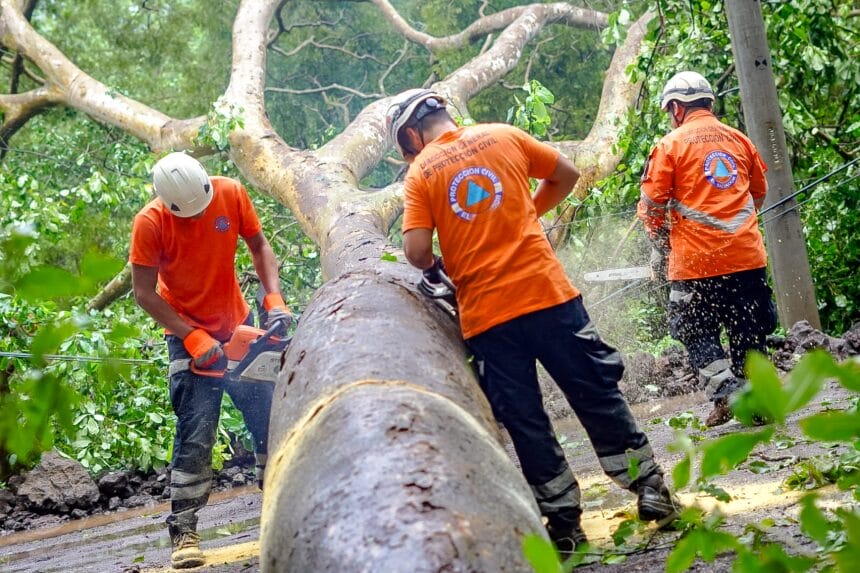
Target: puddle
x,y
90,544
110,518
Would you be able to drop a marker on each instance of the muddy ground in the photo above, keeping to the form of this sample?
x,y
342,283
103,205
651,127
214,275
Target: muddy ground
x,y
134,540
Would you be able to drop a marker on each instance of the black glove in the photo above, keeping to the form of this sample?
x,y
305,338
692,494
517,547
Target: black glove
x,y
435,284
433,273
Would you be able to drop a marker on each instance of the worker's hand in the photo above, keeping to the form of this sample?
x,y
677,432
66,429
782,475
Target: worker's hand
x,y
276,310
205,351
435,284
659,264
433,273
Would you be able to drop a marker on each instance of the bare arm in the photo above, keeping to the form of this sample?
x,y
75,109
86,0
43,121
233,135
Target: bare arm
x,y
418,247
552,190
144,280
265,262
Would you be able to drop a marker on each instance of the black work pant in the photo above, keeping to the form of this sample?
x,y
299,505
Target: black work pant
x,y
196,402
739,302
587,371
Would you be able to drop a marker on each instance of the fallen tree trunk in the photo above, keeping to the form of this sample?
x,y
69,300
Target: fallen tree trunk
x,y
386,460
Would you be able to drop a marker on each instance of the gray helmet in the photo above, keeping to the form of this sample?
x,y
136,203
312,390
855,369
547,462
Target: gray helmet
x,y
182,184
407,109
686,87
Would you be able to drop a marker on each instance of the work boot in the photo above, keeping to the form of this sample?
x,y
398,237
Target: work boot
x,y
721,413
655,502
186,549
567,538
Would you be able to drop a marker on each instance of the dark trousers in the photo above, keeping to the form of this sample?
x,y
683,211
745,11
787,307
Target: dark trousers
x,y
587,371
196,401
739,302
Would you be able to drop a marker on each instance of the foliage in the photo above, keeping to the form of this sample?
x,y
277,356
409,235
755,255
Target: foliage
x,y
30,401
570,62
169,54
223,118
70,189
532,115
834,537
813,46
833,532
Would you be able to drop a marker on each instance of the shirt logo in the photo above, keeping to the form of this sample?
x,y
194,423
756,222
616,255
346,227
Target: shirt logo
x,y
721,169
474,190
222,224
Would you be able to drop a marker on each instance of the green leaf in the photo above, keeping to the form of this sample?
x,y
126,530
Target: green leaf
x,y
47,283
48,340
623,532
684,553
848,374
539,112
632,468
763,396
541,554
681,473
807,378
97,267
386,256
832,426
543,94
812,520
723,454
717,492
614,558
759,467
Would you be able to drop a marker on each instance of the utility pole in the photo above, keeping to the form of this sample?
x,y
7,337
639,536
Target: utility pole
x,y
786,246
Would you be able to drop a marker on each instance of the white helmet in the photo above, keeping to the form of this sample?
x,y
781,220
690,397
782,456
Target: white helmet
x,y
407,109
182,184
686,87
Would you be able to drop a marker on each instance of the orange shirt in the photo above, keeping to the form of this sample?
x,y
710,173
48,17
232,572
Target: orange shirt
x,y
472,185
710,179
196,257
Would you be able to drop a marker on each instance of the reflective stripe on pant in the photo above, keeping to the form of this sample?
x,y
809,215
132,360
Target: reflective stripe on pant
x,y
587,371
698,309
196,401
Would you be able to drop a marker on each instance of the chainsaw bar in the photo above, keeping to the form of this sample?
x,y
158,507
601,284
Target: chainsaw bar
x,y
625,274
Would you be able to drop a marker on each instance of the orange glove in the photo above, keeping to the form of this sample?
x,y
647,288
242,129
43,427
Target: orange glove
x,y
276,309
205,351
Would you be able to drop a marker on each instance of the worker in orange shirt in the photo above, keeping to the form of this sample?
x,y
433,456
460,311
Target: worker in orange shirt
x,y
183,246
701,188
516,305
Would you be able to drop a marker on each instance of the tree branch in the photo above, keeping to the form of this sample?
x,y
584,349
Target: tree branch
x,y
82,92
594,154
117,287
323,89
562,12
19,108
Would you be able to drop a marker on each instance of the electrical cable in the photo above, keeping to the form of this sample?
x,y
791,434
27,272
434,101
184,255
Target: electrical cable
x,y
73,358
794,207
809,186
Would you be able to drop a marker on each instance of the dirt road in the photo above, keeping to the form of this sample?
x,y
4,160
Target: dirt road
x,y
136,541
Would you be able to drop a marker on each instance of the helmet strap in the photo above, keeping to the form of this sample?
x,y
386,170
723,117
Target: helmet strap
x,y
417,127
674,106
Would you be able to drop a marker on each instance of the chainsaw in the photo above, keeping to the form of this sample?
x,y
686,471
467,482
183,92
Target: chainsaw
x,y
253,355
442,292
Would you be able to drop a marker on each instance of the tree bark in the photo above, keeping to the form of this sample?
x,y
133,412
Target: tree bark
x,y
119,286
388,458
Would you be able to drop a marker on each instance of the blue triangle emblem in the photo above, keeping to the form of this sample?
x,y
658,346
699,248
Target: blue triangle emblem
x,y
721,170
476,194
